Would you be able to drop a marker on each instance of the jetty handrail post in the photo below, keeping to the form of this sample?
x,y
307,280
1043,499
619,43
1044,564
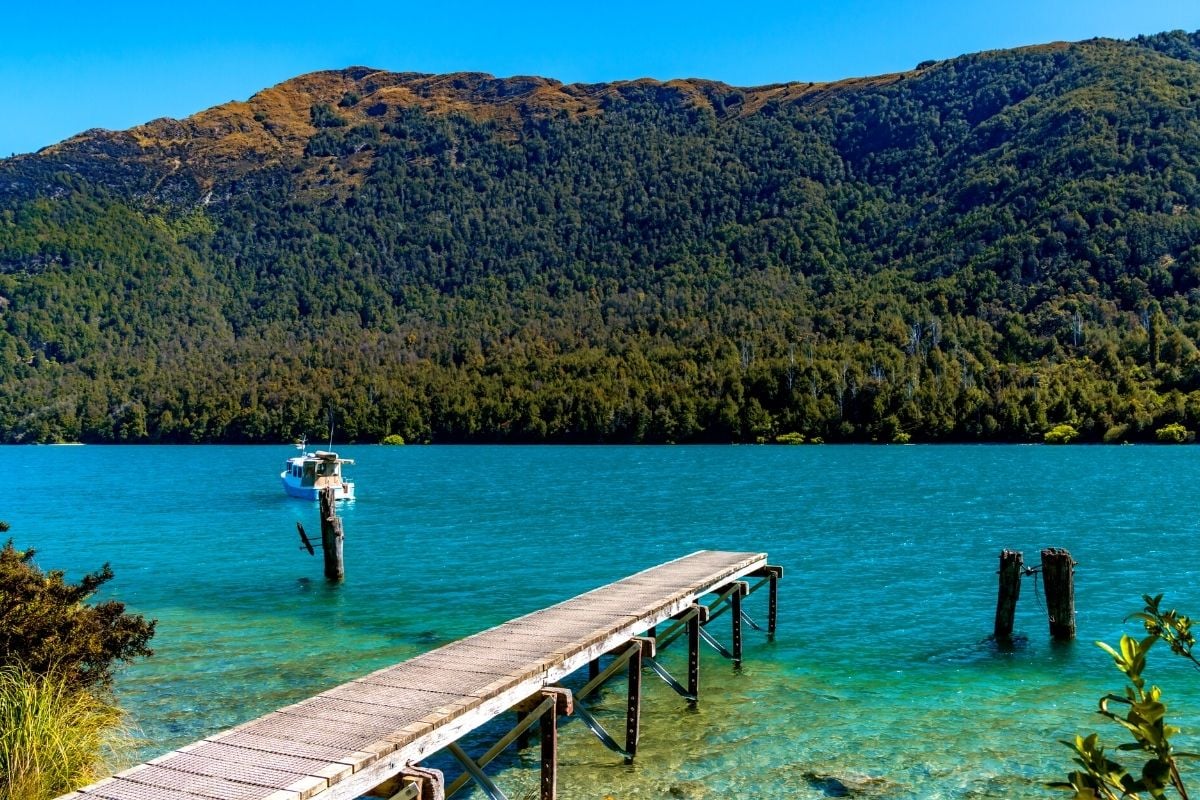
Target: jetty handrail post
x,y
331,536
1058,581
1011,569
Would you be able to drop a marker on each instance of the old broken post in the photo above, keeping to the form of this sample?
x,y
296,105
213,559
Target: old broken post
x,y
331,536
1058,580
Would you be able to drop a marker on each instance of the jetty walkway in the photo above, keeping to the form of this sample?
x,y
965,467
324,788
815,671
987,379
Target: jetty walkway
x,y
370,735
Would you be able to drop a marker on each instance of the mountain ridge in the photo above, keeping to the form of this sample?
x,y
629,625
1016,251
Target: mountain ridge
x,y
966,251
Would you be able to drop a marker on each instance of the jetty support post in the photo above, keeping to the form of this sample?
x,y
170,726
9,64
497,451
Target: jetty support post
x,y
696,616
331,537
523,736
633,713
631,657
1058,580
551,701
1011,569
563,704
741,589
770,574
693,634
773,602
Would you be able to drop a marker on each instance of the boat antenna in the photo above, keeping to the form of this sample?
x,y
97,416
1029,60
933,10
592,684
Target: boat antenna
x,y
331,427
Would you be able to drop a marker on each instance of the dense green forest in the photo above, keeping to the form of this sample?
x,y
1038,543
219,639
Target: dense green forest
x,y
975,250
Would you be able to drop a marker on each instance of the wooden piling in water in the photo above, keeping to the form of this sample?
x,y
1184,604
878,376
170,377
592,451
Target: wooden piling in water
x,y
331,536
1058,580
1011,568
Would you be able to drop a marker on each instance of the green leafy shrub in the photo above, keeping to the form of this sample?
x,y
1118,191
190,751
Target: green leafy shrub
x,y
1141,712
54,735
393,438
791,437
47,626
1174,434
1061,434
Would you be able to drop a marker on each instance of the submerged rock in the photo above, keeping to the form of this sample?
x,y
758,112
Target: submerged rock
x,y
845,785
686,789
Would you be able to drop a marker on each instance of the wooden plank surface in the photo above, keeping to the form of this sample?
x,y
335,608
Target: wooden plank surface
x,y
352,737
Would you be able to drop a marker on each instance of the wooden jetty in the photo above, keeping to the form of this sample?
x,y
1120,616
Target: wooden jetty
x,y
370,735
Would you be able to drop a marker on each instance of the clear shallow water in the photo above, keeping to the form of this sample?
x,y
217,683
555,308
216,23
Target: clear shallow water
x,y
879,677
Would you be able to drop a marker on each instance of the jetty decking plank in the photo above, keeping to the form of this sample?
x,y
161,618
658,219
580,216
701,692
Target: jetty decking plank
x,y
119,789
240,772
314,767
200,785
385,696
276,745
346,740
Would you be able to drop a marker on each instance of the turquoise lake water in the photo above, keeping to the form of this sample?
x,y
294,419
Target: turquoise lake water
x,y
880,676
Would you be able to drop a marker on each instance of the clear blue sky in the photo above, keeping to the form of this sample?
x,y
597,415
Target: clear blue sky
x,y
68,66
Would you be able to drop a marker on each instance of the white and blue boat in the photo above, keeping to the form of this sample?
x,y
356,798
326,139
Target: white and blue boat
x,y
305,475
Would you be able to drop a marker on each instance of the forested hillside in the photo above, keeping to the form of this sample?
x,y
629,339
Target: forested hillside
x,y
975,250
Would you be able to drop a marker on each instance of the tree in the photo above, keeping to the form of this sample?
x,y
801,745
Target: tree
x,y
1061,434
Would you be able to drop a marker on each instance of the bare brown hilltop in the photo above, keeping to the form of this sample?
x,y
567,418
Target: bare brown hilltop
x,y
276,124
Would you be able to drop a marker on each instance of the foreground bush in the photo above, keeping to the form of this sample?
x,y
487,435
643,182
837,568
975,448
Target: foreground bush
x,y
46,625
53,736
1142,713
